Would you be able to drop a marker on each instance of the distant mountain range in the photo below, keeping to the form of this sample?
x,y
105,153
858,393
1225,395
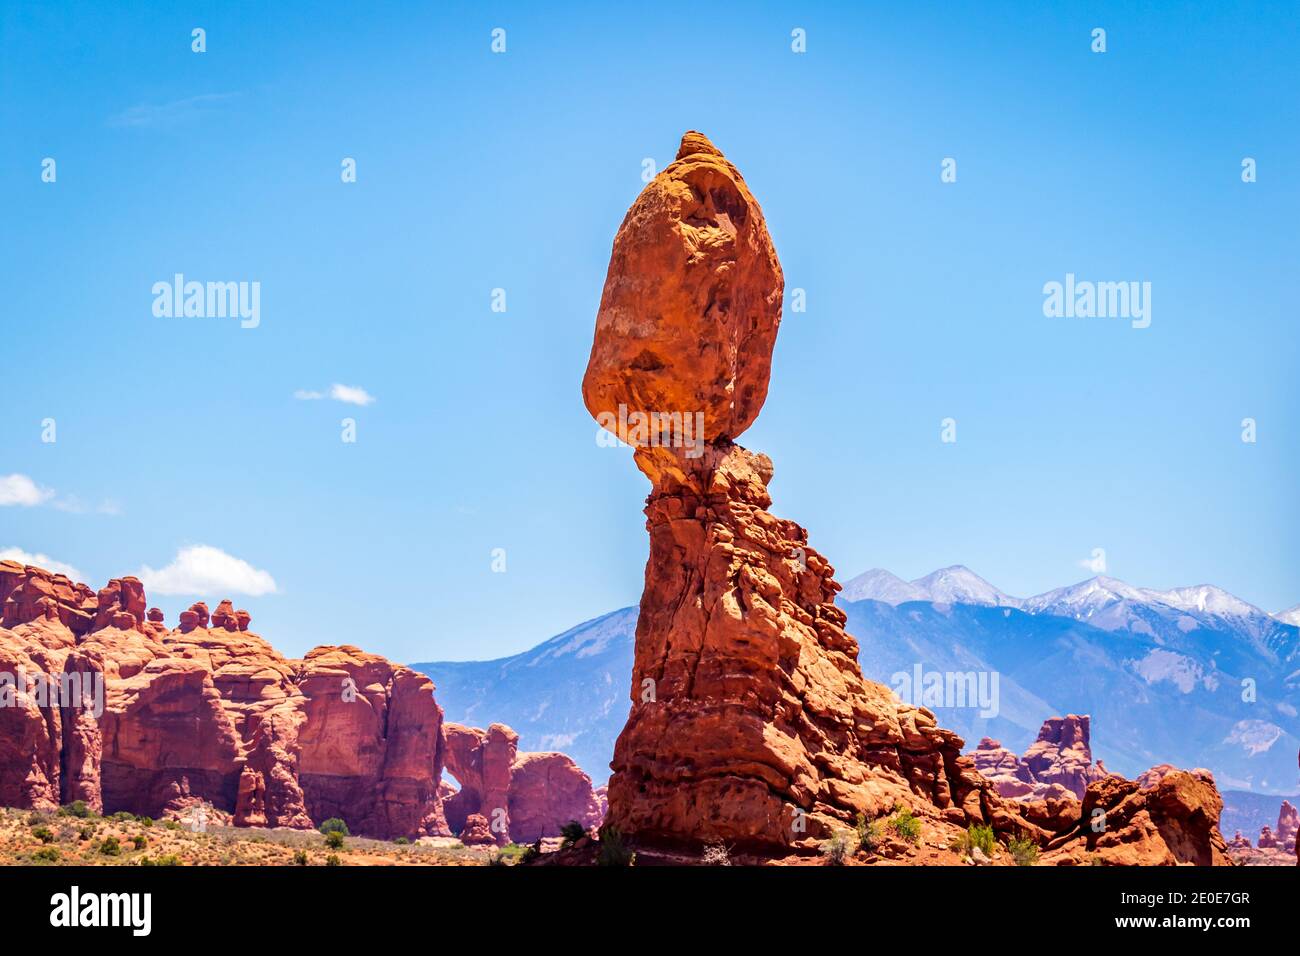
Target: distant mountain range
x,y
1192,676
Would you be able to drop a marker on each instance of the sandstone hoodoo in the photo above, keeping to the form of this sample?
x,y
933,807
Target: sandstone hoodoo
x,y
1058,764
751,723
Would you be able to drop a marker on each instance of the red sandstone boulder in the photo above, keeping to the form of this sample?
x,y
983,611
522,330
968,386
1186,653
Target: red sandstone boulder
x,y
691,304
476,831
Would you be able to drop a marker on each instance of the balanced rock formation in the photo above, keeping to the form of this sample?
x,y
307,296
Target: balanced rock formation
x,y
1058,764
120,712
1239,842
751,723
521,796
1267,839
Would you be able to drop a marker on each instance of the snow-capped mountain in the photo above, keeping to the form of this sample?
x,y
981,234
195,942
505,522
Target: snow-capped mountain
x,y
1291,616
953,585
881,585
1162,673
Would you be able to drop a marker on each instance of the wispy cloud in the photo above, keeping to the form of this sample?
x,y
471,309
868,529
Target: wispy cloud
x,y
351,394
204,570
1096,562
40,561
166,114
20,490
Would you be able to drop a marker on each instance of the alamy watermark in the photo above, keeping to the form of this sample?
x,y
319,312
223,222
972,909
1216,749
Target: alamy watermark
x,y
1098,300
652,430
931,689
69,689
209,300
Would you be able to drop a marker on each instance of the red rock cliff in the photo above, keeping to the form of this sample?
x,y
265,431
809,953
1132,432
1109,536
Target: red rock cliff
x,y
211,712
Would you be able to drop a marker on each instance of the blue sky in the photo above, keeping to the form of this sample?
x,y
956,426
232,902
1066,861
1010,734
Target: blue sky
x,y
479,171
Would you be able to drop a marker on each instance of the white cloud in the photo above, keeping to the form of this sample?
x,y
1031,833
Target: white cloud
x,y
204,570
1096,563
40,561
165,114
351,394
18,489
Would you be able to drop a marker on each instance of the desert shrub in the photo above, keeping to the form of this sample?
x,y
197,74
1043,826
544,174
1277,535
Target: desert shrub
x,y
976,838
1023,851
85,833
334,840
613,851
836,850
716,854
172,824
402,841
43,834
905,825
46,854
868,833
168,859
140,840
300,858
77,808
334,825
333,860
35,819
110,847
499,858
531,852
121,817
145,821
573,831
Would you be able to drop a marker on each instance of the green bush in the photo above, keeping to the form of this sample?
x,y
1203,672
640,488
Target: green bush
x,y
146,821
172,824
85,833
868,833
122,817
300,858
77,808
573,831
140,840
1024,852
976,837
905,825
613,851
43,834
402,841
110,847
333,860
169,859
334,825
334,840
836,850
47,854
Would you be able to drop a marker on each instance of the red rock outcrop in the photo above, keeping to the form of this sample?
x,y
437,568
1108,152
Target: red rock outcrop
x,y
1239,842
1288,821
207,713
1267,839
522,796
1121,824
1057,764
751,723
